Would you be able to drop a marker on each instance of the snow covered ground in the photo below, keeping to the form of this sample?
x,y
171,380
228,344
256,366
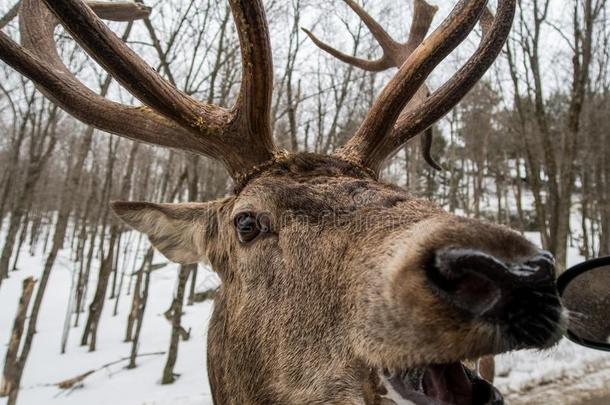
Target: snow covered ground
x,y
115,385
566,374
522,376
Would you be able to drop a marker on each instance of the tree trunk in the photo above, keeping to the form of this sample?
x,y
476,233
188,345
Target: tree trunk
x,y
140,309
115,268
122,278
193,288
97,304
19,211
137,295
9,382
13,163
83,275
177,329
42,143
102,282
22,236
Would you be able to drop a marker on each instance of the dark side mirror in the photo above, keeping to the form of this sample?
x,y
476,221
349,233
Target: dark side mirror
x,y
585,292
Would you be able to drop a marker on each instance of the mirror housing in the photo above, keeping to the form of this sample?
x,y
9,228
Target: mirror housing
x,y
585,292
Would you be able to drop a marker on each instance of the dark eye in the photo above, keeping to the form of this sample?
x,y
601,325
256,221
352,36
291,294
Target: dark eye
x,y
247,227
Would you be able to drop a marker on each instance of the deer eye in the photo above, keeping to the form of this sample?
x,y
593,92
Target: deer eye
x,y
247,226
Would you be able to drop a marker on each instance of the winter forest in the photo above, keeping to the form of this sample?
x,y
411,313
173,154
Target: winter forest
x,y
90,313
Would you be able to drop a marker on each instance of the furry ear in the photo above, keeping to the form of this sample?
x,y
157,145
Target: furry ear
x,y
179,231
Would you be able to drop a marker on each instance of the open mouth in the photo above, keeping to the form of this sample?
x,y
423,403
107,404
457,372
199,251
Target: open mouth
x,y
443,384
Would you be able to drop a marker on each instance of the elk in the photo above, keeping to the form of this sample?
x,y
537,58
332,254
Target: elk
x,y
394,55
336,287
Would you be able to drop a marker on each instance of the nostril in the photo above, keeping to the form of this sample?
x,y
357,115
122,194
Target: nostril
x,y
462,278
480,284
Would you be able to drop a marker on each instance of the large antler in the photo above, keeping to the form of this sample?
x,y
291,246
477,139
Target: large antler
x,y
394,54
404,109
240,137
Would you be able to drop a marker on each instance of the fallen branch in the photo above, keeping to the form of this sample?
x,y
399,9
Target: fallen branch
x,y
66,384
72,382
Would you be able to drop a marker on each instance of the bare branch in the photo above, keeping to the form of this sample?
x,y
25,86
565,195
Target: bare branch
x,y
74,381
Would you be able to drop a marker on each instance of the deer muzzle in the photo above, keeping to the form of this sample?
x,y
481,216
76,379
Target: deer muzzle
x,y
519,296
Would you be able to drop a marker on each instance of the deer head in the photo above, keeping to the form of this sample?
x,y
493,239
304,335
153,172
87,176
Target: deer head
x,y
337,287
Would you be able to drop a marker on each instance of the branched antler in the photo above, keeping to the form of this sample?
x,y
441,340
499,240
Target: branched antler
x,y
371,144
240,137
38,59
394,54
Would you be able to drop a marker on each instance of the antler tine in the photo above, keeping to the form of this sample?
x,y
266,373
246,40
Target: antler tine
x,y
119,10
63,89
486,22
377,139
253,108
394,53
369,65
423,14
422,19
387,43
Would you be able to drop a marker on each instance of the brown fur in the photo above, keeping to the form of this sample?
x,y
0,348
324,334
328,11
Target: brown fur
x,y
336,290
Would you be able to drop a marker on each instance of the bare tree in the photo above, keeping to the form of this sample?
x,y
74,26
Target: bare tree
x,y
10,376
553,170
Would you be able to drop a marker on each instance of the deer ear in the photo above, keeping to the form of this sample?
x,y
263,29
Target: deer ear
x,y
179,231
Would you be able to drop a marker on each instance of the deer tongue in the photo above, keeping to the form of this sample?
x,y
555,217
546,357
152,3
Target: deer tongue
x,y
448,383
444,384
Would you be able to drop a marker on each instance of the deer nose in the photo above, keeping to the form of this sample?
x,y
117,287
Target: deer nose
x,y
482,285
